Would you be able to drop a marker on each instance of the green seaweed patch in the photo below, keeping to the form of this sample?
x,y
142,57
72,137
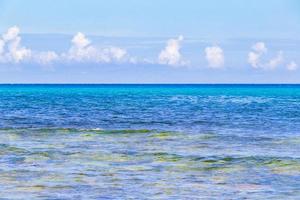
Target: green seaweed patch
x,y
219,168
6,149
228,159
207,136
215,164
287,167
47,131
165,157
276,162
210,161
42,154
96,157
36,158
136,168
126,131
30,189
163,135
186,167
219,160
88,136
223,168
16,149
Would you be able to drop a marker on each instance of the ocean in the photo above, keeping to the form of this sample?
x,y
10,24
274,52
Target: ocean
x,y
149,141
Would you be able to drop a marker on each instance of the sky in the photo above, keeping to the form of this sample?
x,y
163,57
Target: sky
x,y
157,41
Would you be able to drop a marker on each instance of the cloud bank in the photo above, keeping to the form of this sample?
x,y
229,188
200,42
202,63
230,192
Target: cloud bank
x,y
255,57
214,56
81,50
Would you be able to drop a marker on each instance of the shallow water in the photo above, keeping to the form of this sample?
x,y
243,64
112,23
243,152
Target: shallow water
x,y
149,142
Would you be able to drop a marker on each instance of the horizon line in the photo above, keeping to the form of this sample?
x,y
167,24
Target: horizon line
x,y
149,84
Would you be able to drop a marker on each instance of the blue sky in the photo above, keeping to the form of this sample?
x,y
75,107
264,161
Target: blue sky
x,y
157,41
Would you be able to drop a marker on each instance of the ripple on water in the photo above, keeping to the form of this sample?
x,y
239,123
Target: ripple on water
x,y
53,162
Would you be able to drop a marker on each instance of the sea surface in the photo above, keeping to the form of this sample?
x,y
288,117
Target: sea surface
x,y
149,142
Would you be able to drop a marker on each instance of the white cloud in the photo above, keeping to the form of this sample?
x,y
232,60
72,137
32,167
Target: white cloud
x,y
82,50
260,47
254,56
115,53
12,51
274,62
45,58
254,59
11,48
258,51
171,55
11,34
292,66
80,41
214,56
1,47
18,53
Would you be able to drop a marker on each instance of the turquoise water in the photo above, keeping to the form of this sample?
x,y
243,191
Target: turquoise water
x,y
150,142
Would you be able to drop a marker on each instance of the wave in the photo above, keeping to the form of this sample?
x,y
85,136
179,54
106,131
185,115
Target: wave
x,y
78,130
